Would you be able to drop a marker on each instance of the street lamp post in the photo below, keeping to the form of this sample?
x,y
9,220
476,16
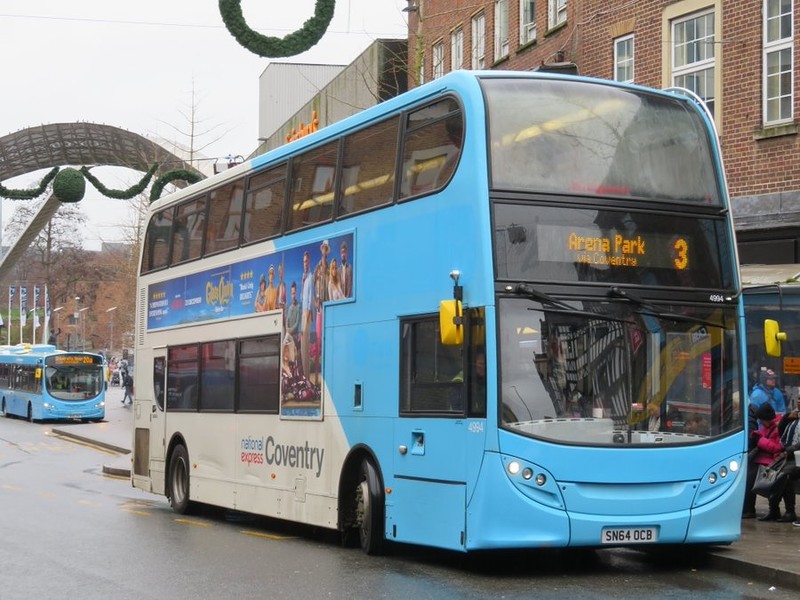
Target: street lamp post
x,y
111,330
83,328
75,317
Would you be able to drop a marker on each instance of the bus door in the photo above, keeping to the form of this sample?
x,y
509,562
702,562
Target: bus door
x,y
439,437
150,426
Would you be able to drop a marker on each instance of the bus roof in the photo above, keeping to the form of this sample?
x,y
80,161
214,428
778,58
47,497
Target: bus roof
x,y
463,81
756,275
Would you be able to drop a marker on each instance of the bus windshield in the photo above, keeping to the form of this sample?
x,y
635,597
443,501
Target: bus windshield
x,y
74,381
617,373
571,137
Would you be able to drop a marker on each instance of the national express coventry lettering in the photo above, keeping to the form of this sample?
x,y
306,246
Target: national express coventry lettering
x,y
257,451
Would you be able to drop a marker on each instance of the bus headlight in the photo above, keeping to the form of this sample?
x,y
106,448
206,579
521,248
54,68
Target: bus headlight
x,y
527,473
513,467
712,478
734,466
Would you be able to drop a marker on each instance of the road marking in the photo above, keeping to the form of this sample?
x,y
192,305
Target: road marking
x,y
268,536
136,512
78,442
12,488
190,522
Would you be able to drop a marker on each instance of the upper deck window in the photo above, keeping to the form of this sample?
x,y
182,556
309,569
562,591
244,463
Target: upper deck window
x,y
572,137
368,167
312,194
263,209
432,147
157,241
190,223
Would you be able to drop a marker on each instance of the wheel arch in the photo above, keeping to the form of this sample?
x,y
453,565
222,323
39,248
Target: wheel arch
x,y
176,440
349,478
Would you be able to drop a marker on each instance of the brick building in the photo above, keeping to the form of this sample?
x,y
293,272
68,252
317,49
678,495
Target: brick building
x,y
738,55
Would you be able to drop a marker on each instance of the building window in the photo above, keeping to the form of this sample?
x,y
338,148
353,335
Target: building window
x,y
778,62
556,13
623,59
479,41
437,60
500,29
693,55
457,49
527,21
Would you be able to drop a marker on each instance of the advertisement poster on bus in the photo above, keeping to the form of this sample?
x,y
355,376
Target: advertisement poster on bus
x,y
296,281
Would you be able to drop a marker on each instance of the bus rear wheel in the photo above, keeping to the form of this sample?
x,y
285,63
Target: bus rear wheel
x,y
5,410
178,480
369,510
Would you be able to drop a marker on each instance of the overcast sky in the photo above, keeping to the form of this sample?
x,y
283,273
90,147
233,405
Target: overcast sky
x,y
134,65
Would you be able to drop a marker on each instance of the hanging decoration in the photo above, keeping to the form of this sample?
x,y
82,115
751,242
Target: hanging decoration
x,y
13,194
189,177
120,194
295,43
69,185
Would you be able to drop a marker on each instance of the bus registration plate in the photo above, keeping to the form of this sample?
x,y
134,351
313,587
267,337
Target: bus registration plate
x,y
629,535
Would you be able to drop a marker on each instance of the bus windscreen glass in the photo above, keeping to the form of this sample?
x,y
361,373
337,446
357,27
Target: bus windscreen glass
x,y
547,243
569,137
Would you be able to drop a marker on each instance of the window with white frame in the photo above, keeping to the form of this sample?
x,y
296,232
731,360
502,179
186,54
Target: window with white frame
x,y
500,29
479,41
556,12
693,55
623,59
778,68
437,58
457,49
527,21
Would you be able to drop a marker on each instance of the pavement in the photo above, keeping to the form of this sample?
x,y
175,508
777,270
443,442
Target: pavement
x,y
768,552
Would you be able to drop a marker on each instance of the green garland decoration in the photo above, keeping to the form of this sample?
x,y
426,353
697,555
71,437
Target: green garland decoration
x,y
69,185
272,47
12,194
189,177
121,194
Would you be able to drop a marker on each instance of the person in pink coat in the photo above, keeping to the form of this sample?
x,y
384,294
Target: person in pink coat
x,y
769,448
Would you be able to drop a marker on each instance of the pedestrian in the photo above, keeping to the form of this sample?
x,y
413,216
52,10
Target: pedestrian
x,y
769,448
127,383
766,390
789,428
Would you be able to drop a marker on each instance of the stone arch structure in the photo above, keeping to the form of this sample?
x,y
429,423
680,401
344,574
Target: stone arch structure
x,y
81,144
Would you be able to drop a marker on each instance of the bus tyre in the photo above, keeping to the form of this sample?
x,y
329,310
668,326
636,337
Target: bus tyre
x,y
369,510
5,410
178,480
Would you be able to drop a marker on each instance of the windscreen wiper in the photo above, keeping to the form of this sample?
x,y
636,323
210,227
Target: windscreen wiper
x,y
648,309
559,306
523,289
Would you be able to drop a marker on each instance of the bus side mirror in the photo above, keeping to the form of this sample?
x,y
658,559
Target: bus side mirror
x,y
451,322
773,337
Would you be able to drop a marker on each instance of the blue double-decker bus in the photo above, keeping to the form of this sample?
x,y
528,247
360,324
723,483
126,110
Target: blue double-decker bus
x,y
41,383
501,310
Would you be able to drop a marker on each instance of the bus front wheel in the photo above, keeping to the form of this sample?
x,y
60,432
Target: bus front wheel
x,y
369,510
178,480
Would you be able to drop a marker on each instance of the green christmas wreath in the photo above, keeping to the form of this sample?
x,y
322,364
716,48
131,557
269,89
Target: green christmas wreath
x,y
272,47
